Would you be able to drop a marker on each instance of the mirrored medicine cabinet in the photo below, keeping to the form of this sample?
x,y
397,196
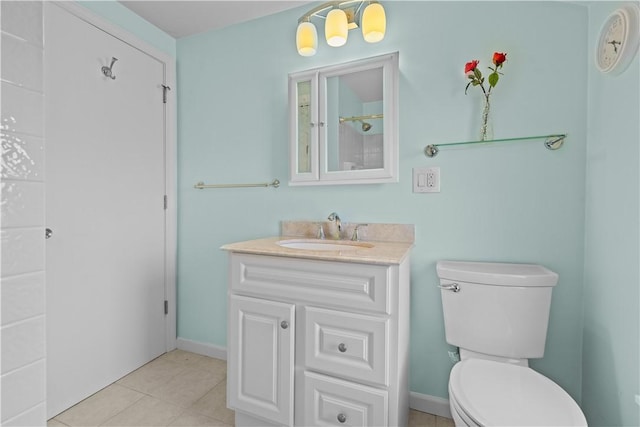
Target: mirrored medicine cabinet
x,y
343,123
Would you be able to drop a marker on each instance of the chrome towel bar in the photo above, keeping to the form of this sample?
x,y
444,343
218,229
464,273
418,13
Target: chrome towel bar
x,y
201,185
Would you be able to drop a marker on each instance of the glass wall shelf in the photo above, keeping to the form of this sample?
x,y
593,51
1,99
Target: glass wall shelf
x,y
552,142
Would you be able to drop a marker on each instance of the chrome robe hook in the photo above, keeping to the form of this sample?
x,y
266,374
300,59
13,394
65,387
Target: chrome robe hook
x,y
107,71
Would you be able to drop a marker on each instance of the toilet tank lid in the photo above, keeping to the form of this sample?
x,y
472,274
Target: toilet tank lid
x,y
499,274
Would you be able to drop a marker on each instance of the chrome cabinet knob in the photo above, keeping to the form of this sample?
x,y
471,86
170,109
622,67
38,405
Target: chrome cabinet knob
x,y
284,324
342,418
48,233
342,347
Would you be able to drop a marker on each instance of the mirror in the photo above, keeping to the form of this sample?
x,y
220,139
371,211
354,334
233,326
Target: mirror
x,y
356,143
343,123
304,130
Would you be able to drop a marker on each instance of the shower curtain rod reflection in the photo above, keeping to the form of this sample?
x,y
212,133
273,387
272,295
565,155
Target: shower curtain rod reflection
x,y
201,185
360,118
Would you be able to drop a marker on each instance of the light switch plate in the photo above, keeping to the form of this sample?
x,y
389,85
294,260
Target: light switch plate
x,y
426,180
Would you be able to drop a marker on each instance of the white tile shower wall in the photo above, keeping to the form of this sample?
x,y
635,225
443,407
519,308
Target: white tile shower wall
x,y
373,152
22,279
350,153
363,151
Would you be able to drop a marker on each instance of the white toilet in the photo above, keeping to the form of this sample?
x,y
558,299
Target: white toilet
x,y
497,314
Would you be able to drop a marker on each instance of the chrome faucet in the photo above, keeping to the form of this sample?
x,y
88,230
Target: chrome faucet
x,y
334,217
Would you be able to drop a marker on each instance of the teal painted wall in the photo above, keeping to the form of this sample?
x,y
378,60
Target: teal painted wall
x,y
611,363
233,129
125,18
513,202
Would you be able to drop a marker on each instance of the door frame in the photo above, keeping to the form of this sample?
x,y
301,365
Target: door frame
x,y
170,135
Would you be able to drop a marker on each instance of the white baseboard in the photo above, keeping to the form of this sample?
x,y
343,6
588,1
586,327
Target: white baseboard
x,y
418,401
430,404
202,348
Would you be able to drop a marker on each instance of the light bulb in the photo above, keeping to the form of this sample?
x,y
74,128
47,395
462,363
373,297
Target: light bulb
x,y
374,23
306,39
335,28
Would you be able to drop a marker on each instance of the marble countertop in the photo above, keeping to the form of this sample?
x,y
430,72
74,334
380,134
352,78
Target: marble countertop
x,y
380,253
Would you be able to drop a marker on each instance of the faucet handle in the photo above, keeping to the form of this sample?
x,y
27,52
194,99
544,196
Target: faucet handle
x,y
355,236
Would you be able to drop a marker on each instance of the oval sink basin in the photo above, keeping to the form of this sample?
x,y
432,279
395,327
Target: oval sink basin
x,y
323,245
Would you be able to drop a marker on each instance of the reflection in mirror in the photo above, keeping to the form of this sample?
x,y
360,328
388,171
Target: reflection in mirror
x,y
355,104
304,126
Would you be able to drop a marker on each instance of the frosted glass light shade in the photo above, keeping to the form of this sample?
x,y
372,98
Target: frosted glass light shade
x,y
307,39
335,28
374,23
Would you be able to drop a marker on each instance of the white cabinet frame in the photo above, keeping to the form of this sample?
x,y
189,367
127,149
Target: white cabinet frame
x,y
319,173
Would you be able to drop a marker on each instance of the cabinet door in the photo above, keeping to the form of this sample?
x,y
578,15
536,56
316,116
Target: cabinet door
x,y
304,126
261,358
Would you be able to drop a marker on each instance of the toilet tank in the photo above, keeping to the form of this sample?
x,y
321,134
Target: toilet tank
x,y
499,309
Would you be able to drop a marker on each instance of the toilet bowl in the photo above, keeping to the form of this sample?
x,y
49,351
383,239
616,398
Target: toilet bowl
x,y
489,393
497,314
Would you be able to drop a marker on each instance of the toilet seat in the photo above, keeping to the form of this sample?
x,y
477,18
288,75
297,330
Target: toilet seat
x,y
490,393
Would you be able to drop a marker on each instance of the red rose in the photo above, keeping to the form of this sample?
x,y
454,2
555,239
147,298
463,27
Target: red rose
x,y
475,77
499,58
470,66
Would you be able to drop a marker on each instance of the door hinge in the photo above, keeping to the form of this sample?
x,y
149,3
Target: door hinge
x,y
166,307
166,202
165,88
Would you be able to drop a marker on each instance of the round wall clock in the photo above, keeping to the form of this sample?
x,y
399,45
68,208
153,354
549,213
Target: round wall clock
x,y
619,38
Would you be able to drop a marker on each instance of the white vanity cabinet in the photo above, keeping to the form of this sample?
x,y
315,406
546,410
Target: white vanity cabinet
x,y
317,342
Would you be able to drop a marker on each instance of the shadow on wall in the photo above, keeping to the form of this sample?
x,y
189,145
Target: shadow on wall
x,y
598,337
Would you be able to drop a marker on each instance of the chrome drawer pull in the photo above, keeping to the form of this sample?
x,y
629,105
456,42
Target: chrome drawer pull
x,y
342,418
451,287
342,347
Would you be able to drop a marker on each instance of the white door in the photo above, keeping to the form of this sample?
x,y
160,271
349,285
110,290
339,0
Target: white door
x,y
105,187
260,358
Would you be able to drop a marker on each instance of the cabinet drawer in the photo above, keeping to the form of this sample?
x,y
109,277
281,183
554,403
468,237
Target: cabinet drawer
x,y
362,287
332,402
353,346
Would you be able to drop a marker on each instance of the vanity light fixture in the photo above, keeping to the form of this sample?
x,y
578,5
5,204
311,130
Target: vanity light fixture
x,y
340,17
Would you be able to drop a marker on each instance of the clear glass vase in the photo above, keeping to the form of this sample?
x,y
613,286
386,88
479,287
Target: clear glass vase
x,y
486,124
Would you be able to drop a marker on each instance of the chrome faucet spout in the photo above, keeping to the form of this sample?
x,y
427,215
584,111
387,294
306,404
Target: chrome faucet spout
x,y
334,217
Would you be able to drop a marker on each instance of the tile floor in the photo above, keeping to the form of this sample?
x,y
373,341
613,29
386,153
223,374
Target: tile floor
x,y
176,389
